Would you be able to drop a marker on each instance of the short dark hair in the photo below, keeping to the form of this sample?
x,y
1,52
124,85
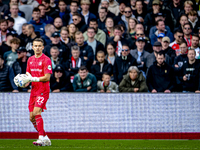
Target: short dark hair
x,y
105,74
161,53
61,1
125,44
188,24
101,52
77,14
104,9
40,5
94,20
178,31
83,68
117,27
74,2
183,42
30,26
3,20
1,57
157,22
46,1
15,40
38,40
91,28
36,9
195,35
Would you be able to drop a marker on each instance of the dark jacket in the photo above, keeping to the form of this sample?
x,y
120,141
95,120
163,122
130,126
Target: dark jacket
x,y
140,82
19,66
4,48
63,85
95,69
193,82
81,86
39,27
64,51
160,78
99,47
47,19
101,25
171,53
180,60
46,40
91,16
6,79
22,38
29,45
82,26
121,67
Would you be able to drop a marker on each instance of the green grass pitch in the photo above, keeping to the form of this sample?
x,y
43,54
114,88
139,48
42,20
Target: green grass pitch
x,y
104,145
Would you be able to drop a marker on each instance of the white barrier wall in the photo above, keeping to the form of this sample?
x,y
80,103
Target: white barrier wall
x,y
96,112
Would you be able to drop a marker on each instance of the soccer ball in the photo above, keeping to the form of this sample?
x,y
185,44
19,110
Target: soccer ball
x,y
19,80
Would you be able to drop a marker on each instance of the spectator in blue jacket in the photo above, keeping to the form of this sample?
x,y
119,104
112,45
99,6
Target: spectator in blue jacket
x,y
43,17
37,23
84,81
160,25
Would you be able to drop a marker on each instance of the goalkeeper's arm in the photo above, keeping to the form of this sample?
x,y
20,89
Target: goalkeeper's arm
x,y
44,78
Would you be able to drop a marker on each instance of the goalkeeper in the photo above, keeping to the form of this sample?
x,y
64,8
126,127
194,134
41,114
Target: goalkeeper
x,y
38,72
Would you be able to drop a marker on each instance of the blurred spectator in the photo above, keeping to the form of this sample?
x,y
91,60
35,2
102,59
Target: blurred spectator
x,y
3,8
193,19
84,81
72,30
111,55
60,81
43,17
176,7
101,66
67,17
79,22
133,81
140,54
189,74
39,26
86,51
5,46
122,6
109,30
132,22
188,6
160,25
160,76
33,3
19,21
4,30
31,35
64,36
183,20
167,49
54,5
55,59
127,15
102,17
23,36
11,23
49,10
58,24
6,78
178,35
64,51
139,26
11,56
26,9
49,30
74,63
160,37
113,7
122,63
99,36
195,45
151,58
140,11
62,8
19,66
105,3
133,5
187,31
106,85
85,5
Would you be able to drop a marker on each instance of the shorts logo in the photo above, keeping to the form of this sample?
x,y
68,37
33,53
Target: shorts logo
x,y
40,100
49,67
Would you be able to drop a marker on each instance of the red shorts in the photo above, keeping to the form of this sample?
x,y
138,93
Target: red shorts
x,y
38,101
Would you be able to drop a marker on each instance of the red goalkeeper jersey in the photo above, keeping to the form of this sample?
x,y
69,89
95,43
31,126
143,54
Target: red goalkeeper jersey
x,y
38,67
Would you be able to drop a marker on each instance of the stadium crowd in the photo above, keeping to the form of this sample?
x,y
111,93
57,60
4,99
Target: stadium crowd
x,y
104,45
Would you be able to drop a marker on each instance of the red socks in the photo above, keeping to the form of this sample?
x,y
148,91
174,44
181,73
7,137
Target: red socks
x,y
35,125
40,126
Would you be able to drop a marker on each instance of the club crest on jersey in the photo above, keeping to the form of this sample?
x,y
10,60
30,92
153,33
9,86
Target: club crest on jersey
x,y
49,67
31,63
40,63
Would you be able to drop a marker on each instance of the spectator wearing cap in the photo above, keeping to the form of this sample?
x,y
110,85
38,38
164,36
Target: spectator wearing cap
x,y
11,56
6,78
124,18
86,51
43,16
195,45
84,81
160,37
85,5
4,30
19,66
67,17
151,58
37,23
49,30
79,22
18,20
99,34
140,54
122,63
60,80
105,3
113,7
161,76
133,81
167,49
31,35
160,25
5,46
64,51
26,9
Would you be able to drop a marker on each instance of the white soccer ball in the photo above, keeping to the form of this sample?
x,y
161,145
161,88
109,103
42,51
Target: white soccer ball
x,y
20,81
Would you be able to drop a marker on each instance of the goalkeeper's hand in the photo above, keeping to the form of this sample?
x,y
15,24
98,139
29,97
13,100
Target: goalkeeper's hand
x,y
29,78
16,81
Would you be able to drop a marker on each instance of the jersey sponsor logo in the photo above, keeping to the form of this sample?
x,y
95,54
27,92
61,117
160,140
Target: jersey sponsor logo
x,y
40,100
40,70
31,63
49,67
